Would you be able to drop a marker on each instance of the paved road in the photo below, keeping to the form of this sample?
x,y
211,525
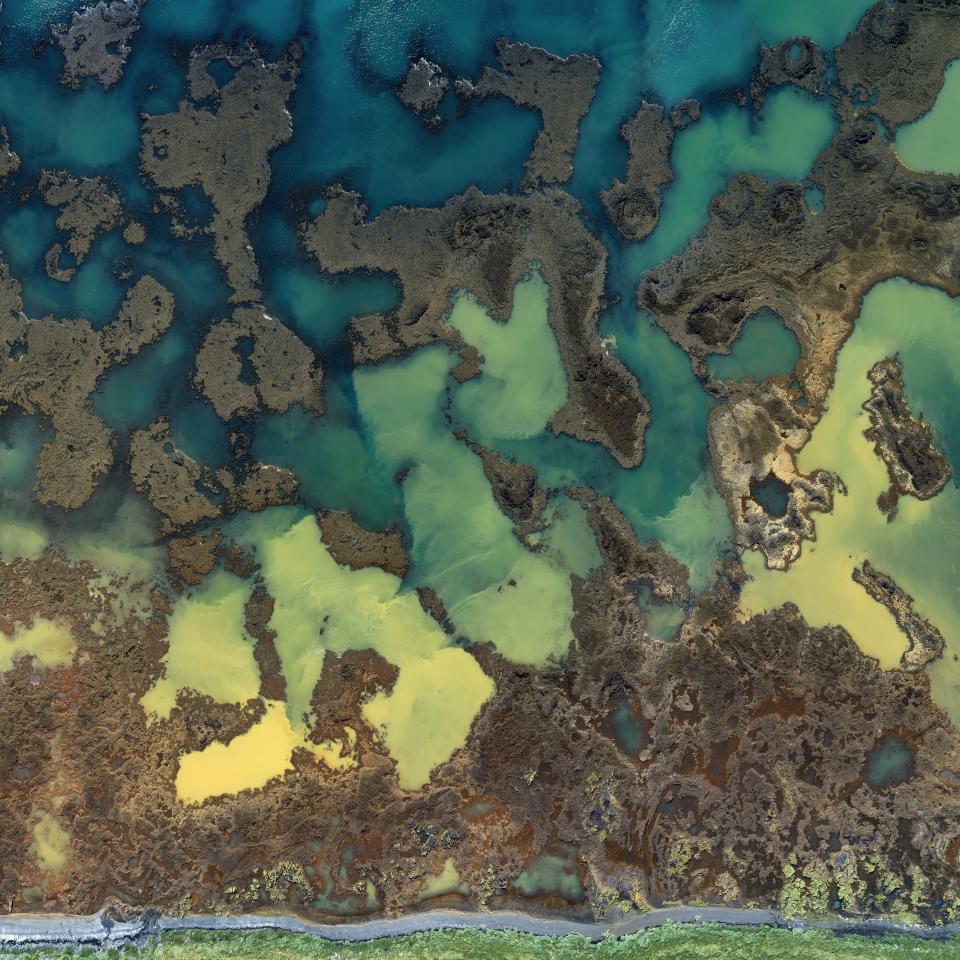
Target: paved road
x,y
54,929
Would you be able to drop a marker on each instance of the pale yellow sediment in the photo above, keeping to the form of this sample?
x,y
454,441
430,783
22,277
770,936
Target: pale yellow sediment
x,y
444,882
252,759
49,642
918,548
51,843
209,650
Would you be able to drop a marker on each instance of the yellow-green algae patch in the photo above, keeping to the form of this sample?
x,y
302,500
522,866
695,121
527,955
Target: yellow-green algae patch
x,y
919,547
209,650
695,529
252,759
444,882
428,713
249,761
549,873
21,538
51,843
932,143
523,383
49,642
495,590
670,942
321,606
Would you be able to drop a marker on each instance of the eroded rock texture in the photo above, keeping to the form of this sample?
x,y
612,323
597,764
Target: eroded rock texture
x,y
50,367
894,60
559,89
97,41
252,363
633,204
735,764
9,158
423,89
220,139
88,206
763,247
170,479
356,547
732,764
797,62
751,438
518,495
485,244
255,486
904,442
926,641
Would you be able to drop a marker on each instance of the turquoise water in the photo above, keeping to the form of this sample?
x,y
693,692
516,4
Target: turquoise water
x,y
888,763
932,142
384,449
354,55
764,348
671,50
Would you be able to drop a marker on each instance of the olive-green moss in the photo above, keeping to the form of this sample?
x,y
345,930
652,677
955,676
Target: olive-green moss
x,y
671,942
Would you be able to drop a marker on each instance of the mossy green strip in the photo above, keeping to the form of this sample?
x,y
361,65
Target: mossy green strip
x,y
670,942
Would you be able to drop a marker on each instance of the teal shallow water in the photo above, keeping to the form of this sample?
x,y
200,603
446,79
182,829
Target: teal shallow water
x,y
392,421
763,348
350,87
932,142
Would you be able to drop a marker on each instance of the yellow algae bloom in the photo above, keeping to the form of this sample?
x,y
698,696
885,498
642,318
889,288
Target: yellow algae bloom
x,y
249,761
252,759
51,843
932,142
495,590
918,546
49,642
523,383
446,881
320,606
423,717
209,650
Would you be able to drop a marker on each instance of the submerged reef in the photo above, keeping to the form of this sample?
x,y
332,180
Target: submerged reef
x,y
345,567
